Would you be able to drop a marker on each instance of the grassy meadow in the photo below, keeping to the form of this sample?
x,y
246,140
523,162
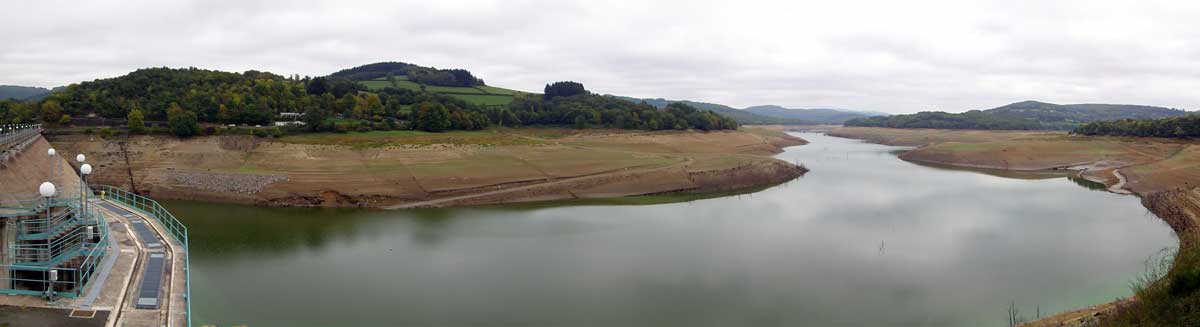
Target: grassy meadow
x,y
480,95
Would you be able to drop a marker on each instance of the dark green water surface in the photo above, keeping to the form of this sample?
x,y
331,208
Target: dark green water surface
x,y
864,239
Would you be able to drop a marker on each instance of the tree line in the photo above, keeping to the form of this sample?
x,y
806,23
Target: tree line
x,y
1174,127
974,119
187,98
423,75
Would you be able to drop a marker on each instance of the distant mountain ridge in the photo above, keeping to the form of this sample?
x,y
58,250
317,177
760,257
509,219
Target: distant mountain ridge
x,y
1067,116
22,93
741,116
768,114
819,115
1025,115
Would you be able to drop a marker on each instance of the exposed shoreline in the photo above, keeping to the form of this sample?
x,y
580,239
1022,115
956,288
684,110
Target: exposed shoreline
x,y
584,164
1175,203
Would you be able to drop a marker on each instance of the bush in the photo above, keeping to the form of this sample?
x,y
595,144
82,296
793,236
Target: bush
x,y
137,121
107,133
1184,283
183,123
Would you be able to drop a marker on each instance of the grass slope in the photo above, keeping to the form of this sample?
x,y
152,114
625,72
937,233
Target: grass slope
x,y
481,95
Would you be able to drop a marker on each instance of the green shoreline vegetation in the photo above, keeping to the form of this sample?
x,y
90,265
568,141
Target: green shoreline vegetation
x,y
194,101
1027,115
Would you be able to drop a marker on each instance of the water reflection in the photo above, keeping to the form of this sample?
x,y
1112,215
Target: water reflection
x,y
863,239
1088,184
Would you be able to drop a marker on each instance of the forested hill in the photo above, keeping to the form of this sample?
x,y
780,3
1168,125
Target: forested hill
x,y
410,72
1173,127
191,98
741,116
21,92
769,114
818,115
1027,115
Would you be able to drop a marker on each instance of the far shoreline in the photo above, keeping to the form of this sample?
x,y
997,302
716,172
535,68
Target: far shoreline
x,y
494,166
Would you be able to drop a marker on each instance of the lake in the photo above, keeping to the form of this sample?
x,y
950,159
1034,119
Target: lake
x,y
864,239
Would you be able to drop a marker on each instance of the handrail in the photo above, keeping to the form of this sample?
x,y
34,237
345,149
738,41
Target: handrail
x,y
16,136
43,225
54,249
13,141
174,227
74,243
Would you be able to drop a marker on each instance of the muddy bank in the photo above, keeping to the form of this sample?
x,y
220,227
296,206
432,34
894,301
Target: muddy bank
x,y
591,164
628,183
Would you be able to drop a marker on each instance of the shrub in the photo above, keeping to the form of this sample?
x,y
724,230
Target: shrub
x,y
1184,283
107,133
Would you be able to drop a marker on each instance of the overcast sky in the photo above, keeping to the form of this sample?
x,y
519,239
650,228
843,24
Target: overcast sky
x,y
891,56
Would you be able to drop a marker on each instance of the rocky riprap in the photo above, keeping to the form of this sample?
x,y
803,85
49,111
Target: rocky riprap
x,y
224,182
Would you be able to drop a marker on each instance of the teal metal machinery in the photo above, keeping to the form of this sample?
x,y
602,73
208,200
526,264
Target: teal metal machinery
x,y
152,209
55,246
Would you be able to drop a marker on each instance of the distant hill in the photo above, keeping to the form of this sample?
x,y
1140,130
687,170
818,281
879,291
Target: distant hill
x,y
22,92
1055,116
419,74
1026,115
458,83
770,114
818,115
741,116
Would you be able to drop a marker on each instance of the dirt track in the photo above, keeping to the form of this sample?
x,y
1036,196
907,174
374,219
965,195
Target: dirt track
x,y
416,170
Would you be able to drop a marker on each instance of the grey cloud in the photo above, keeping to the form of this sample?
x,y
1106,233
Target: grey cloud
x,y
879,55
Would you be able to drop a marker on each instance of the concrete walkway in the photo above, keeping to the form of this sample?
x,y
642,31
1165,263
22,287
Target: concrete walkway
x,y
173,309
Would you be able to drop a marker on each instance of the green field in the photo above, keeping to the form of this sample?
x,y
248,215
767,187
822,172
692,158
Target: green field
x,y
485,100
480,95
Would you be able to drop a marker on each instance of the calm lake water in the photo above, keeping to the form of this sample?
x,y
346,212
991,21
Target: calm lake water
x,y
864,239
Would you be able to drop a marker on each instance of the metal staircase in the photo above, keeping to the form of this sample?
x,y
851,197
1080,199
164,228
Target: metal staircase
x,y
61,235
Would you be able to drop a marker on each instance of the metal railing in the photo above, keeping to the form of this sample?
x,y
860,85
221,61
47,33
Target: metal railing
x,y
10,134
42,257
65,218
14,139
159,213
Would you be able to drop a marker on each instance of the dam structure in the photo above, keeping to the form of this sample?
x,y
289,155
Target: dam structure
x,y
73,254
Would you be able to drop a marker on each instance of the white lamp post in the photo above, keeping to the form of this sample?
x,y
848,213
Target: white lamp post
x,y
51,153
80,158
84,171
47,191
